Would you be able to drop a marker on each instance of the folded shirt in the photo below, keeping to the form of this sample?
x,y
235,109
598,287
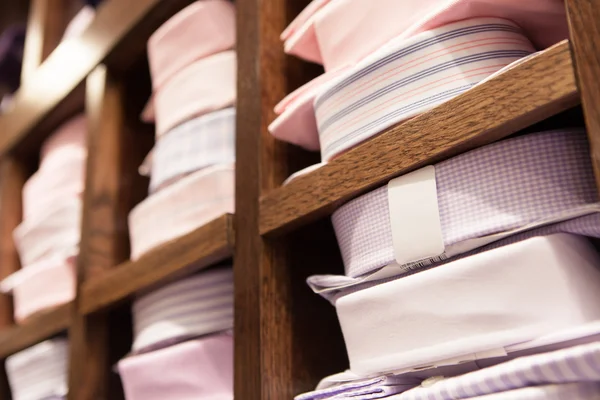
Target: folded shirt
x,y
363,389
43,285
339,34
198,305
53,235
68,141
61,175
53,185
191,146
40,371
200,30
472,308
198,369
206,85
342,32
406,77
180,208
471,200
572,373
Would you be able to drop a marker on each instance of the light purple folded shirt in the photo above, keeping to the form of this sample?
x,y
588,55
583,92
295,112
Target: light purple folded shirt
x,y
493,189
574,371
195,144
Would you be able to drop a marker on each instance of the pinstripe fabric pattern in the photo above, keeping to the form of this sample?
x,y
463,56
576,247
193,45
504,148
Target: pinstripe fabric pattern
x,y
519,182
577,364
198,305
407,78
193,145
364,389
40,371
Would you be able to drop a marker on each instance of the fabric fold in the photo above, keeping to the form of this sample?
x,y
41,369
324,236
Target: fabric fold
x,y
181,207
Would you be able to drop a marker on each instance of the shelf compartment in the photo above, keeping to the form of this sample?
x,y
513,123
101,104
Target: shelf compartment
x,y
35,329
538,88
117,37
206,245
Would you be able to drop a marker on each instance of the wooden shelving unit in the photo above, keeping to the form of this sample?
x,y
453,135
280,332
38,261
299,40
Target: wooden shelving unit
x,y
286,338
35,329
206,245
536,89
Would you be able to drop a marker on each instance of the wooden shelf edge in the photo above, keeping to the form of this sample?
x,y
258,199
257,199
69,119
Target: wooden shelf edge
x,y
538,88
118,24
36,329
204,246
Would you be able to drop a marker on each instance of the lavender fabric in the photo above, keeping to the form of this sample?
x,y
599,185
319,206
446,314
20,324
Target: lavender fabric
x,y
193,145
574,371
497,188
572,365
198,305
374,388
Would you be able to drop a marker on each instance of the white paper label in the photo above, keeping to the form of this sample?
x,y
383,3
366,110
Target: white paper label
x,y
415,217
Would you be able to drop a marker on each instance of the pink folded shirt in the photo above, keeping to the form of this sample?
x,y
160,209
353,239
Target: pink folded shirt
x,y
198,369
61,175
41,286
201,29
182,207
52,185
205,85
339,34
55,234
342,32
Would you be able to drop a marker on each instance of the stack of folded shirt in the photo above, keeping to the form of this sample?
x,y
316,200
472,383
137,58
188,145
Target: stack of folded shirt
x,y
48,237
183,346
191,167
471,262
39,372
382,69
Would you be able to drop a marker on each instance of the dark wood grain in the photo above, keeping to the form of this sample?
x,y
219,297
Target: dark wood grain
x,y
275,355
35,329
114,153
104,238
12,178
536,89
118,35
204,246
584,27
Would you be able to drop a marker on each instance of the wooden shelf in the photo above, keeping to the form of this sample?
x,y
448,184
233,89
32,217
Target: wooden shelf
x,y
36,329
206,245
540,87
117,37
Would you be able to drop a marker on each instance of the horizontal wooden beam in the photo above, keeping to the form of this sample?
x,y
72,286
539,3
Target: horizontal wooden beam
x,y
35,329
117,37
204,246
536,89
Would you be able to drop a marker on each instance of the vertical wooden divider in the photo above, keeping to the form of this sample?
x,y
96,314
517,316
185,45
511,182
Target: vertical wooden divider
x,y
12,179
583,16
104,241
45,26
286,338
